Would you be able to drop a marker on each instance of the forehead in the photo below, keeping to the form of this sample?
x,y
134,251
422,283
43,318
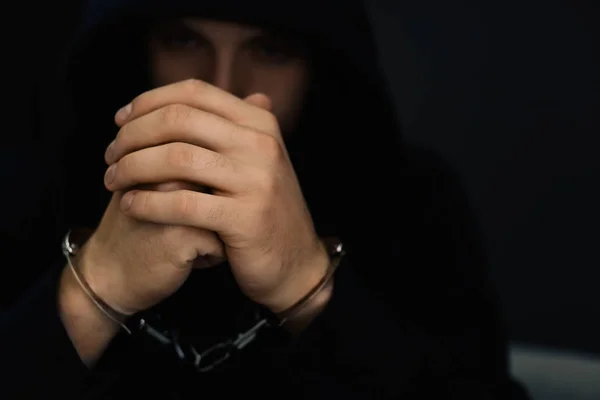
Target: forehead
x,y
219,28
222,27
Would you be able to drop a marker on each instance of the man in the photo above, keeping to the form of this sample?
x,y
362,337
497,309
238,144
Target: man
x,y
247,134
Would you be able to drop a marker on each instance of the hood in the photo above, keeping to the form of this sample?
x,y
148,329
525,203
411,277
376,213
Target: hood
x,y
345,152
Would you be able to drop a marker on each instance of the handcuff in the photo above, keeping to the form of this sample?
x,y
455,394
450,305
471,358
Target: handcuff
x,y
148,324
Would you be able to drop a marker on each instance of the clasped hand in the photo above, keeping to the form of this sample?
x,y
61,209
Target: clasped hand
x,y
196,133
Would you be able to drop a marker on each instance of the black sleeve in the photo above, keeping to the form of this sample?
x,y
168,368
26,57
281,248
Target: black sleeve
x,y
38,359
361,348
417,321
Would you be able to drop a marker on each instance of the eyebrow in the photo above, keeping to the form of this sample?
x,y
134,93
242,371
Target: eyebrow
x,y
260,32
253,31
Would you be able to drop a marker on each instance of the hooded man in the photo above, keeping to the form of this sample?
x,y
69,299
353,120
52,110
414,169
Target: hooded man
x,y
250,136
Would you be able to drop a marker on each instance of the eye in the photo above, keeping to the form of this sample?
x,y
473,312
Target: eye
x,y
275,51
274,54
176,36
180,40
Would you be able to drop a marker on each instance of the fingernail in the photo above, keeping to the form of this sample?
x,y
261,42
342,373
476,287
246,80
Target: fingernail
x,y
109,177
126,201
123,113
110,152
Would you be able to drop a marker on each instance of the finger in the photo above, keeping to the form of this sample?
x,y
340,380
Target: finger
x,y
206,250
182,208
178,123
260,100
210,249
197,94
178,185
173,162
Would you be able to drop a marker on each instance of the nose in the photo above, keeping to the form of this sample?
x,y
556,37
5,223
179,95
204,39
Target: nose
x,y
224,76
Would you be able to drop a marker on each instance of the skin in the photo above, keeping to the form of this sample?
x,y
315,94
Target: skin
x,y
224,94
238,59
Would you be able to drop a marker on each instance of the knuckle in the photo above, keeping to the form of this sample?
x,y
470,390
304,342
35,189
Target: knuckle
x,y
194,86
124,165
180,156
218,161
186,203
140,204
239,138
270,121
174,114
214,213
184,156
266,182
138,101
125,139
122,134
269,147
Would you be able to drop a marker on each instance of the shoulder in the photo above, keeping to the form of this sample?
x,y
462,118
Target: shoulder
x,y
432,201
432,174
433,247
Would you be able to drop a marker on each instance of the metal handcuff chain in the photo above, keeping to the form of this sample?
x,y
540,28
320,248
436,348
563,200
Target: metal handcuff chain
x,y
187,353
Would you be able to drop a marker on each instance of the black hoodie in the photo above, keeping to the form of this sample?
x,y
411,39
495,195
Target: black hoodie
x,y
412,315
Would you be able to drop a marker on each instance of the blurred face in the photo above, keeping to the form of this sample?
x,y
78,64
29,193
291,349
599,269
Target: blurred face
x,y
240,59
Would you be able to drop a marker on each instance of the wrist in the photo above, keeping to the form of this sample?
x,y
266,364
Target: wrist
x,y
103,281
311,310
306,278
89,329
74,302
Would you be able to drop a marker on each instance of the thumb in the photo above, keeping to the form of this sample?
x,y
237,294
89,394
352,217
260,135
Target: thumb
x,y
259,100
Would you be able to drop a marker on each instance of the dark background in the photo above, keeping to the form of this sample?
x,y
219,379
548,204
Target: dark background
x,y
510,92
507,91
